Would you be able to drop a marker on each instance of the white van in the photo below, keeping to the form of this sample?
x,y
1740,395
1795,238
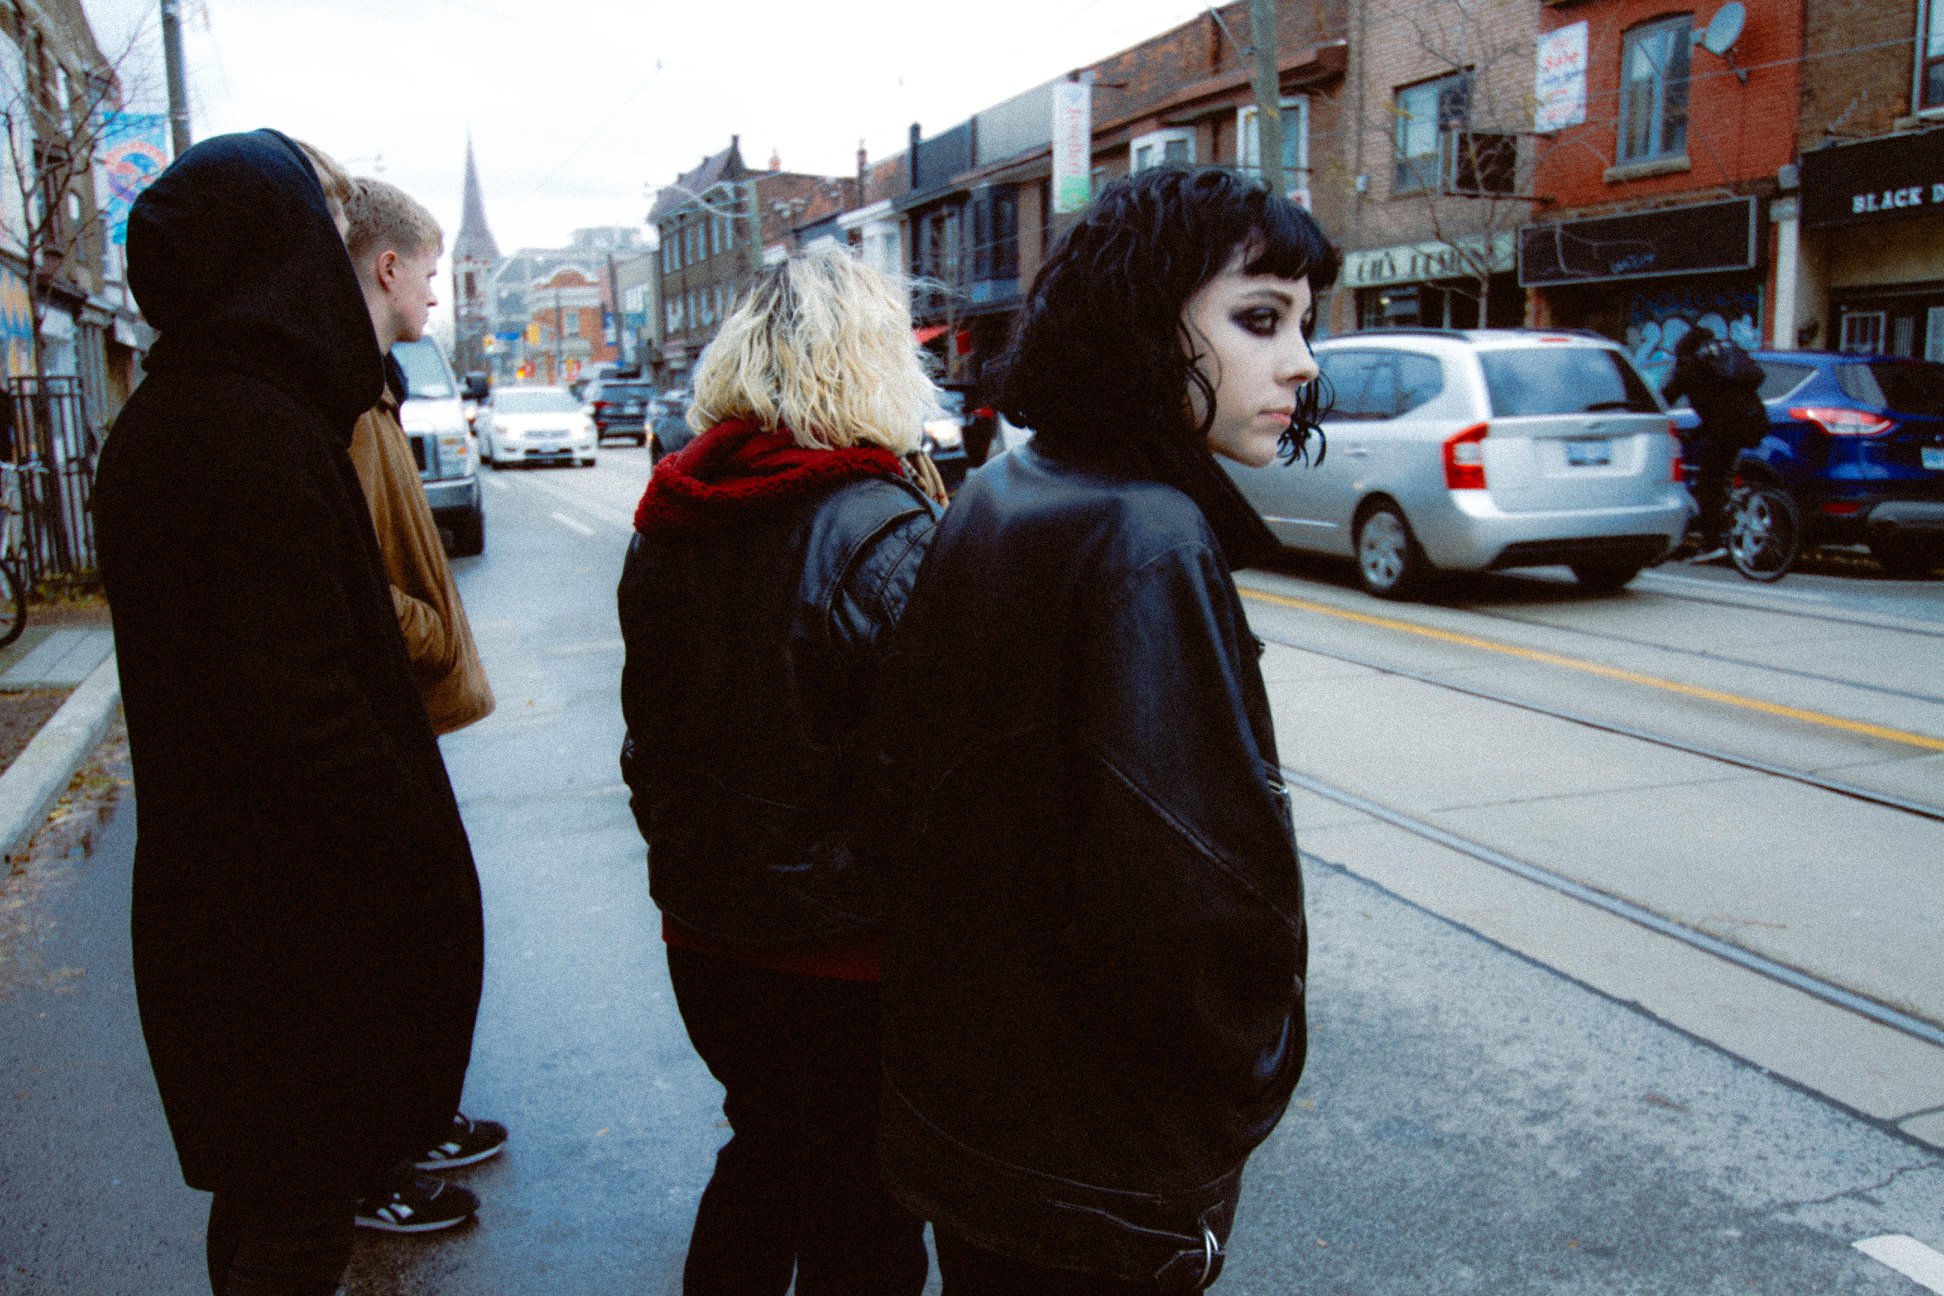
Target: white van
x,y
434,419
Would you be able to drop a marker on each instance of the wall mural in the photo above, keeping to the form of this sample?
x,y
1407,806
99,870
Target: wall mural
x,y
1657,319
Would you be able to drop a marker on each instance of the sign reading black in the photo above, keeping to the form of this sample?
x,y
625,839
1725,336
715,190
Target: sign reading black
x,y
1882,179
1644,245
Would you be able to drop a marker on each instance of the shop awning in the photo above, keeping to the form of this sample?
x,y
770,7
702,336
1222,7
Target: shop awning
x,y
929,333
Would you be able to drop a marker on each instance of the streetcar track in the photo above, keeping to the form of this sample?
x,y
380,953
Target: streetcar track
x,y
1751,602
1724,658
1805,982
1754,764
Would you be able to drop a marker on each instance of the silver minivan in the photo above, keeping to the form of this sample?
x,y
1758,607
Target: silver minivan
x,y
1477,450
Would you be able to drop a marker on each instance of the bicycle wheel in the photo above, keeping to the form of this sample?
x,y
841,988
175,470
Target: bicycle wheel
x,y
1764,533
13,605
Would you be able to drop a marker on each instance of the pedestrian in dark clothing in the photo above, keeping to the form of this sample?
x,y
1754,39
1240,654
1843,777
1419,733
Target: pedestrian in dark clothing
x,y
306,918
1093,983
1722,382
773,555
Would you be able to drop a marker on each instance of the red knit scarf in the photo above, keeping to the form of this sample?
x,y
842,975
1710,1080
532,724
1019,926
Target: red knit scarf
x,y
736,470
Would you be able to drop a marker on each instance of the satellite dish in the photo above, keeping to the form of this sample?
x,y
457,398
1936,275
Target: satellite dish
x,y
1725,28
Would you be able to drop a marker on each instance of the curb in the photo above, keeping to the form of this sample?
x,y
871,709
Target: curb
x,y
44,768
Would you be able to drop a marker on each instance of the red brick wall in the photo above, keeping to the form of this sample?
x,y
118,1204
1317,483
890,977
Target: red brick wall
x,y
1737,133
1848,87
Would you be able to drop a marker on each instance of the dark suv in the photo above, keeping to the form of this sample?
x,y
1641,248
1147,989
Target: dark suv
x,y
619,407
1858,442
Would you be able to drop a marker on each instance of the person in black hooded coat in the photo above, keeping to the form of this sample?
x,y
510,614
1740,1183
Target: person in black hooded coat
x,y
306,916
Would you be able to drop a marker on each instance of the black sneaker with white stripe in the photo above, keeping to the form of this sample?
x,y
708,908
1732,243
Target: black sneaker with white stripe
x,y
467,1142
418,1204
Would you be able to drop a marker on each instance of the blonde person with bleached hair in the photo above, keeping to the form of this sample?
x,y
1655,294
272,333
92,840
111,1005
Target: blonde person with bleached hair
x,y
772,557
394,244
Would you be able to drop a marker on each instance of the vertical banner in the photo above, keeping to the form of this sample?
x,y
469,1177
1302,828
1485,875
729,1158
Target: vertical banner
x,y
1072,145
1560,90
134,149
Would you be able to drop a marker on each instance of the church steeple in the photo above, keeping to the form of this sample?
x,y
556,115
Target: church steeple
x,y
475,241
474,258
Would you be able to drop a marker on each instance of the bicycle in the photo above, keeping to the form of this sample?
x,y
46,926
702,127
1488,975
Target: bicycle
x,y
13,598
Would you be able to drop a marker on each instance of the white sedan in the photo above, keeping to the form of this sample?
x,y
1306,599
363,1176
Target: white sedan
x,y
534,425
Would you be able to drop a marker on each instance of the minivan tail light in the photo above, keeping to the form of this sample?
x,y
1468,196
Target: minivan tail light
x,y
1676,470
1843,422
1464,458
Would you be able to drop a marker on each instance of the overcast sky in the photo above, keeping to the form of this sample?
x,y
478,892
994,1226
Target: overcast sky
x,y
578,107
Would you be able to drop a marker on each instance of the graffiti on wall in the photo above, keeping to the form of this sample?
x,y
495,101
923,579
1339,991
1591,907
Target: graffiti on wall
x,y
1658,318
16,322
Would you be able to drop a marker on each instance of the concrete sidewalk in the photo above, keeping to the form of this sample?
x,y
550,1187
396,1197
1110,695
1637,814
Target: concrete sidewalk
x,y
41,772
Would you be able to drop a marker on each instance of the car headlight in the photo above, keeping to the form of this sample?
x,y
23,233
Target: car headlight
x,y
945,433
455,448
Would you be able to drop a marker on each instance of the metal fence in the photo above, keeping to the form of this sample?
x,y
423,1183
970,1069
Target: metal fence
x,y
55,444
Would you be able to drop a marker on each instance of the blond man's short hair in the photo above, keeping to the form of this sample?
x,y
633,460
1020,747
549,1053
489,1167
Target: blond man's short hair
x,y
336,184
384,218
820,344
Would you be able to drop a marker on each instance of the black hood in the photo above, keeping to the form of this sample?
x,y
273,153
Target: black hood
x,y
234,259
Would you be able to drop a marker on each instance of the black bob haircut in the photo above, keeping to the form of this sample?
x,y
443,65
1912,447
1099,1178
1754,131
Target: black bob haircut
x,y
1100,352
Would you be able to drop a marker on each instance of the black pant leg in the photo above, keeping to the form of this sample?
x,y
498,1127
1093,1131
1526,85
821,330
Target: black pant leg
x,y
796,1187
1712,476
278,1246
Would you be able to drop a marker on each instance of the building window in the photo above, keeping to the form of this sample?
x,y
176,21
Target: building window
x,y
1654,89
1930,57
1157,147
572,320
1429,114
1863,332
995,234
1295,124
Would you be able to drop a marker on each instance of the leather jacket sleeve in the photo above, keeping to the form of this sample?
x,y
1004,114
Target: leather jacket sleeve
x,y
872,595
1174,710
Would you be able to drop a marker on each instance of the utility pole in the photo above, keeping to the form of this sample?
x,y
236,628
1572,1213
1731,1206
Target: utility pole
x,y
1268,93
755,229
178,91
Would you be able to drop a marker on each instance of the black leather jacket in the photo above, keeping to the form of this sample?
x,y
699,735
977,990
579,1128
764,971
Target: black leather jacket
x,y
1093,985
752,654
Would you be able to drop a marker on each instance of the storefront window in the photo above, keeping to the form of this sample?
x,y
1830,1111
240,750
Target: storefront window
x,y
1863,332
1654,90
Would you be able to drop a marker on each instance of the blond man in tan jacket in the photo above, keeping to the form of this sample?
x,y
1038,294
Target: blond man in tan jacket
x,y
395,245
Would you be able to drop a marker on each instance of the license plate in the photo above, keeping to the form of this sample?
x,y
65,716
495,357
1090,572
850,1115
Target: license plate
x,y
1933,457
1589,454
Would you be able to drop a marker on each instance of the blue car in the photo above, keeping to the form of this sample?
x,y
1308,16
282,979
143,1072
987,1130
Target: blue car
x,y
1858,442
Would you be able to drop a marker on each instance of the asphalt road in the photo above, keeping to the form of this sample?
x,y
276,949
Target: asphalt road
x,y
1509,1090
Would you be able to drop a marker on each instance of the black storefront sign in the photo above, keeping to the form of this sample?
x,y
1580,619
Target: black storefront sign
x,y
1880,179
1700,239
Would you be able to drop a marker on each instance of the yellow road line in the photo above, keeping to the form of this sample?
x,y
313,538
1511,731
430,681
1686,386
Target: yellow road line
x,y
1609,672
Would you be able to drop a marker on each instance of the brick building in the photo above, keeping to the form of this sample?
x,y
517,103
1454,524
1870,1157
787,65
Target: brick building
x,y
1662,195
977,208
565,333
1435,163
718,224
1869,266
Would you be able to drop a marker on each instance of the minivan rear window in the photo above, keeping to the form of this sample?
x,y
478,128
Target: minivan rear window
x,y
1563,380
1912,387
624,392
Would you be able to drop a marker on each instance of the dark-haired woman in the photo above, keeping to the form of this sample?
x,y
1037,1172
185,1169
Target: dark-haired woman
x,y
1094,985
